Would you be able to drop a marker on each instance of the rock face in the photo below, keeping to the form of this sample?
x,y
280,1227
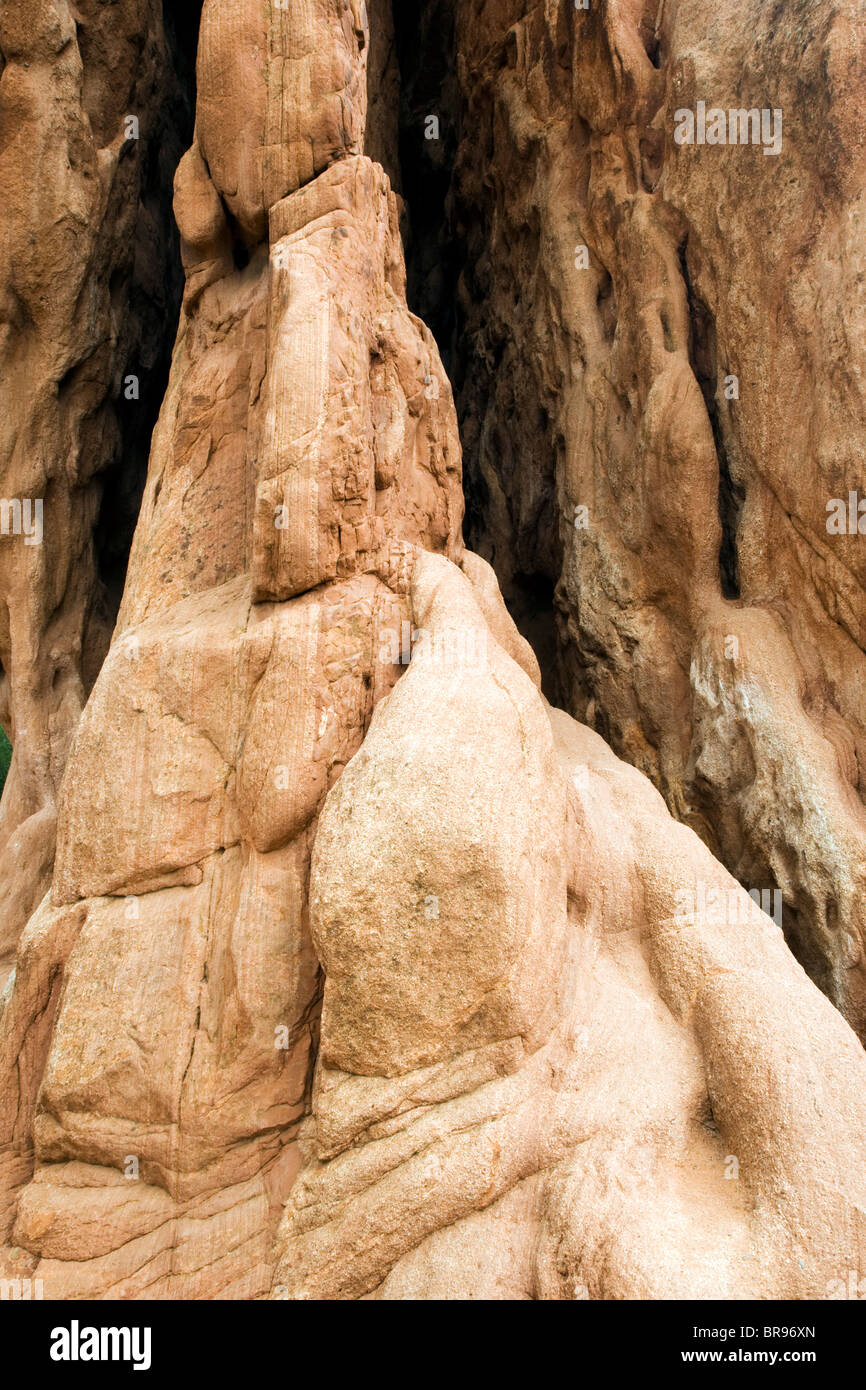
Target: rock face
x,y
662,389
363,971
91,115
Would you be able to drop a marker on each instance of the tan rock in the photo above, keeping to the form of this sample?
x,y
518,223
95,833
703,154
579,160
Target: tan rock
x,y
363,972
86,279
677,1132
673,334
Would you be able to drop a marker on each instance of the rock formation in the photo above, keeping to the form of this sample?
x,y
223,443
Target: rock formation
x,y
91,115
675,336
363,971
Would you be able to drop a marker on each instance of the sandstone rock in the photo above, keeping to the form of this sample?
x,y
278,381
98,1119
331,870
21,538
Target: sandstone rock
x,y
585,1156
86,279
362,971
672,334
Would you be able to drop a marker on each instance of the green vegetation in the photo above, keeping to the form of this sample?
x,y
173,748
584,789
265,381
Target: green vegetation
x,y
5,755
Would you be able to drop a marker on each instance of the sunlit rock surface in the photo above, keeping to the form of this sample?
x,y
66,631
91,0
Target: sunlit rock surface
x,y
362,970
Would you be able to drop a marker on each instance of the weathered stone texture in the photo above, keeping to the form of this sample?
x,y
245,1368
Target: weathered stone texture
x,y
366,977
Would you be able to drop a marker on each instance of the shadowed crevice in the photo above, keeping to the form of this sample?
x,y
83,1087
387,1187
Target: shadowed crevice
x,y
155,304
703,353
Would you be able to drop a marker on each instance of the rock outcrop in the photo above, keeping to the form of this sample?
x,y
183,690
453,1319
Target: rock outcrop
x,y
363,971
662,385
91,120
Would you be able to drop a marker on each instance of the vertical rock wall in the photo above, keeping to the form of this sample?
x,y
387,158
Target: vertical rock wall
x,y
91,120
661,389
363,972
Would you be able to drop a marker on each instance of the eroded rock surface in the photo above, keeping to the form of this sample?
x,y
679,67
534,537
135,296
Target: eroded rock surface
x,y
364,972
91,120
662,392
